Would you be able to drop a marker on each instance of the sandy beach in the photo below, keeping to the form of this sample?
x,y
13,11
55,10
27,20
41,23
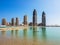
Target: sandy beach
x,y
13,28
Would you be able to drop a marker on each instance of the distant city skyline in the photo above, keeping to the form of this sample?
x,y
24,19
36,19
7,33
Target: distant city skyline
x,y
15,21
18,8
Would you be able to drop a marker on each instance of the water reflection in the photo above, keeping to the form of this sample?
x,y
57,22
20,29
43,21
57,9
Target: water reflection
x,y
25,36
34,35
12,33
16,33
44,33
31,28
25,32
3,33
34,32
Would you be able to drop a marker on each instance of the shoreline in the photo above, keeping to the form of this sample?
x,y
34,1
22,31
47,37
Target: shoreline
x,y
13,28
20,27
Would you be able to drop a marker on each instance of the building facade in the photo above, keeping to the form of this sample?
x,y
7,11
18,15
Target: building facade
x,y
17,22
25,20
34,17
4,21
43,19
12,22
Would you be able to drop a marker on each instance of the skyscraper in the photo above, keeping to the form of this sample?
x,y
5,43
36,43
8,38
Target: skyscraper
x,y
25,20
34,17
12,22
4,21
43,19
17,21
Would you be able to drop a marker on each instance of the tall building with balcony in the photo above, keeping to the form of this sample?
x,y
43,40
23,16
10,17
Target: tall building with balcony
x,y
34,17
25,20
4,21
17,22
43,19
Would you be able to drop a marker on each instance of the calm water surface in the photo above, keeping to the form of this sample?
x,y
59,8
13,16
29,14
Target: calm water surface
x,y
31,36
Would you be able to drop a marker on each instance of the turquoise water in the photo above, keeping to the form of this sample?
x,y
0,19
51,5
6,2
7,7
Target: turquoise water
x,y
31,36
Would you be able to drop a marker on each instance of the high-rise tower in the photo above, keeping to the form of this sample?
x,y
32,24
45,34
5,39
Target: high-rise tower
x,y
43,19
17,21
34,17
25,20
12,22
4,21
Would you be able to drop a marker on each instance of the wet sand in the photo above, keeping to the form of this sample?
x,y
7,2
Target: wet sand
x,y
17,41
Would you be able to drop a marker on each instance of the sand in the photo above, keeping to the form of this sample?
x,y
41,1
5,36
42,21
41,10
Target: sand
x,y
13,28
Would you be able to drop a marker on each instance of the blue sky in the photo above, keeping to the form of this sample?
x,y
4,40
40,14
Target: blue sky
x,y
19,8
